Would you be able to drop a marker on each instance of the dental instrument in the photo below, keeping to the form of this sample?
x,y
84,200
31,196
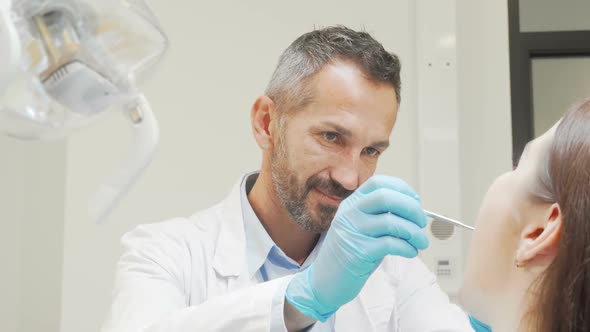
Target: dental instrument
x,y
448,220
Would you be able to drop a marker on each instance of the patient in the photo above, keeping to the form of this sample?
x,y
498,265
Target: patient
x,y
529,263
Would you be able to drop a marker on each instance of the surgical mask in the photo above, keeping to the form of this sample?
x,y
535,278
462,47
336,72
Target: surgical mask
x,y
66,63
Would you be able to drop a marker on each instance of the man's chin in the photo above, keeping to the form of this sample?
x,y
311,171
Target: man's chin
x,y
320,227
323,216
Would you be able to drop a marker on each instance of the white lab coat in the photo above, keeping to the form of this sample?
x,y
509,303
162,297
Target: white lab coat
x,y
191,274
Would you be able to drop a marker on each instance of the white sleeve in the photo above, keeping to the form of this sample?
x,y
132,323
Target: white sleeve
x,y
151,292
277,313
422,306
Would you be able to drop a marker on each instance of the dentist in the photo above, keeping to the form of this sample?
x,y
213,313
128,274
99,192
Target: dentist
x,y
314,241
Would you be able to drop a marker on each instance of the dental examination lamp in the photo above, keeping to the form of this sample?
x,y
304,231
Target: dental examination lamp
x,y
66,63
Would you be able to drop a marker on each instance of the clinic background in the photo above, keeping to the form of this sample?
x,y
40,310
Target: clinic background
x,y
57,267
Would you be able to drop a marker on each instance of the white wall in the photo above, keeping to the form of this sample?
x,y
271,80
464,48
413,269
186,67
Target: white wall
x,y
484,99
464,121
11,217
31,240
438,164
222,55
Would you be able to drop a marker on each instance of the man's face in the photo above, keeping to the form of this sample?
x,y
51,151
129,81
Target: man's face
x,y
326,150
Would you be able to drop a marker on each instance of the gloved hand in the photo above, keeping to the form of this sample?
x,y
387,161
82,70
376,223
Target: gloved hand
x,y
382,217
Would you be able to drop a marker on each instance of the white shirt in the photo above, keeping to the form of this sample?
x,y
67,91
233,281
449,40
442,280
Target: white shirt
x,y
196,274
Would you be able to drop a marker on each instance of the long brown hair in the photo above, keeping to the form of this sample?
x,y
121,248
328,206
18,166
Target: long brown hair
x,y
564,288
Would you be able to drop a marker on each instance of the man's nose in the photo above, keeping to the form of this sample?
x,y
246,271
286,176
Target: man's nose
x,y
346,172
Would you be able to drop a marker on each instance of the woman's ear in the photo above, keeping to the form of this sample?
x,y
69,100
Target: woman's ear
x,y
540,240
261,116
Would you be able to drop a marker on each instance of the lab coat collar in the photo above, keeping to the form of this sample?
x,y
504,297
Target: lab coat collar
x,y
242,243
230,252
258,242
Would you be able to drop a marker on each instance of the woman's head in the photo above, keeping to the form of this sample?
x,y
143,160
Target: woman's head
x,y
531,247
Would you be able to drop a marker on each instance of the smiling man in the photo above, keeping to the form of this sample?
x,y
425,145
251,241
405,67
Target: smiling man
x,y
313,241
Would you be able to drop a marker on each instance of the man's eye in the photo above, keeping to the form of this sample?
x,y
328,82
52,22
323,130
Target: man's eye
x,y
331,137
372,152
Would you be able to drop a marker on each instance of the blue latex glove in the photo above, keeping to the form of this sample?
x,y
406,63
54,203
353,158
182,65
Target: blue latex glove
x,y
479,326
382,217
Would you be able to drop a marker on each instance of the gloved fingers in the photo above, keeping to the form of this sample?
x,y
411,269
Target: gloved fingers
x,y
389,201
387,224
383,181
388,245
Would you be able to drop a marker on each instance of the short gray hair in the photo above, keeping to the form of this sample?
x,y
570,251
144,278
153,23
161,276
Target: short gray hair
x,y
309,53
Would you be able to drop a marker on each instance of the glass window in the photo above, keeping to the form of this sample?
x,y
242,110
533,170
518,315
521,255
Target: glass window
x,y
557,84
554,15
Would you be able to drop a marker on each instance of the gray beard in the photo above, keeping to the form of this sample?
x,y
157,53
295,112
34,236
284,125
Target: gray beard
x,y
293,198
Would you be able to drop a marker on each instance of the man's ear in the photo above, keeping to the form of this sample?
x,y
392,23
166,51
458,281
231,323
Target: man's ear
x,y
540,240
262,115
